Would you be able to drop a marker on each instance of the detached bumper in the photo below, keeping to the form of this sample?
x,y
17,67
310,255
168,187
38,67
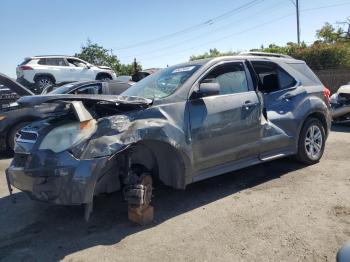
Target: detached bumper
x,y
56,178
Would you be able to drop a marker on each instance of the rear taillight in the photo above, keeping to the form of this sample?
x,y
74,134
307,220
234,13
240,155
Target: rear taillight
x,y
26,68
326,95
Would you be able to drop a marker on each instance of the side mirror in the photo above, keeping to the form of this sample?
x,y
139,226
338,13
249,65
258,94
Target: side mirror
x,y
208,89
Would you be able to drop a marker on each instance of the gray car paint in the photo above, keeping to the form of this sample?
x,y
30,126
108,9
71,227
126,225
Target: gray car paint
x,y
177,132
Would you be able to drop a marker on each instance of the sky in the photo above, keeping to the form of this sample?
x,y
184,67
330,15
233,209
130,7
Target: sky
x,y
157,32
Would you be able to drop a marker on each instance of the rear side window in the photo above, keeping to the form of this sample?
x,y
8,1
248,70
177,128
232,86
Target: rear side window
x,y
231,77
52,62
272,77
303,69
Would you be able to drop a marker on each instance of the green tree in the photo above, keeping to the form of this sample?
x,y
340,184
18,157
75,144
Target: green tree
x,y
330,35
98,55
212,53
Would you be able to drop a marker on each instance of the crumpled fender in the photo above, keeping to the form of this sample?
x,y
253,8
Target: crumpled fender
x,y
150,126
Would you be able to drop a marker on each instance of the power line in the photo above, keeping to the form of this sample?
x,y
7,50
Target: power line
x,y
252,28
215,30
196,27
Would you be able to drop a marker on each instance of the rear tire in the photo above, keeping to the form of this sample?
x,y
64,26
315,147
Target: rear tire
x,y
43,81
311,142
11,135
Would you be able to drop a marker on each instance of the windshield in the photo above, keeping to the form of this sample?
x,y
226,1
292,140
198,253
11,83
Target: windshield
x,y
162,84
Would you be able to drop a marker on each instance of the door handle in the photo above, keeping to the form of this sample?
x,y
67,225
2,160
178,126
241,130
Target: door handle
x,y
248,104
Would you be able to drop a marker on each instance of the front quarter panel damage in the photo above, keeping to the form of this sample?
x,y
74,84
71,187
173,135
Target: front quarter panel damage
x,y
162,134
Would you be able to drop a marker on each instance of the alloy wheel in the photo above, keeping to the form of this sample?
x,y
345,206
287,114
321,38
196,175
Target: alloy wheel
x,y
313,142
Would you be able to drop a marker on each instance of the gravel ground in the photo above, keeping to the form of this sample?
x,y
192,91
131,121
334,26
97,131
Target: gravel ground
x,y
278,211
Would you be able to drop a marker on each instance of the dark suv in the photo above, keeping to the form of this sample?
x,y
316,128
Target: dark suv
x,y
183,124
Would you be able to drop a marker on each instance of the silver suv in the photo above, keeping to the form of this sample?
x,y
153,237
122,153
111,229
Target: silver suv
x,y
180,125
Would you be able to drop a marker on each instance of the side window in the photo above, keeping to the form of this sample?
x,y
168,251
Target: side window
x,y
272,77
42,61
52,62
285,80
75,62
231,77
89,90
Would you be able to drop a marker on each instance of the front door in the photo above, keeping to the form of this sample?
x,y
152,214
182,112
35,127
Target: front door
x,y
225,127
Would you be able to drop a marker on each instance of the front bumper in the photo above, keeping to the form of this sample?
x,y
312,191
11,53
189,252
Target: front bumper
x,y
56,178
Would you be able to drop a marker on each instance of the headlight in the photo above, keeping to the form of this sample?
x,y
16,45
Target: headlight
x,y
334,98
66,136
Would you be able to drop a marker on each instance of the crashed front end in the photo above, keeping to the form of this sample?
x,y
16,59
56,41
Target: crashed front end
x,y
60,159
340,105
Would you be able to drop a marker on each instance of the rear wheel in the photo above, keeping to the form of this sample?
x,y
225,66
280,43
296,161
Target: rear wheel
x,y
11,135
43,81
311,142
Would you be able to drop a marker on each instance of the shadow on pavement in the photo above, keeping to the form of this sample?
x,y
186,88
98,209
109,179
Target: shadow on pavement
x,y
57,231
5,155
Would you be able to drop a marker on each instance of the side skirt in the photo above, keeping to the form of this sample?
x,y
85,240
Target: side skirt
x,y
236,165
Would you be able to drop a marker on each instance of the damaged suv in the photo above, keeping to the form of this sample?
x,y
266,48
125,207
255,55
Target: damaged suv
x,y
183,124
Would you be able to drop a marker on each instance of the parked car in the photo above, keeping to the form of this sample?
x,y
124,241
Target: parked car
x,y
14,116
7,97
38,72
181,125
112,87
340,104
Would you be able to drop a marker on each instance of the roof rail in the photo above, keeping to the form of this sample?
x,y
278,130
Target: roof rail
x,y
265,54
53,55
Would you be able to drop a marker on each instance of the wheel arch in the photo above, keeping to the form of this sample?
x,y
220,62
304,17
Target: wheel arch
x,y
165,162
36,76
318,115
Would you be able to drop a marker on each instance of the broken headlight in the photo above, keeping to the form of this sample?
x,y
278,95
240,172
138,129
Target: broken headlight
x,y
66,136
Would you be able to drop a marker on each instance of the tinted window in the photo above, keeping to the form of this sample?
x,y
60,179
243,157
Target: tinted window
x,y
306,71
89,90
272,77
231,77
74,62
285,80
52,61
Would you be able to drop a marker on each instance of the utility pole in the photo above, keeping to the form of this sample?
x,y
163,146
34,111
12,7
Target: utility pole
x,y
298,20
296,4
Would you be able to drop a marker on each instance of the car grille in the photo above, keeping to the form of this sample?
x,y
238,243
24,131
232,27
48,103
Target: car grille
x,y
27,136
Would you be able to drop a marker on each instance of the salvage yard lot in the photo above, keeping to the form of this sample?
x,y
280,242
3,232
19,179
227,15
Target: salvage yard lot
x,y
278,211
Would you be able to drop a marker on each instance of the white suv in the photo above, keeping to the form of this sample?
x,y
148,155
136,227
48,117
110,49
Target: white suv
x,y
41,71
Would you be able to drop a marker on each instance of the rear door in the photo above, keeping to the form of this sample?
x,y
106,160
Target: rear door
x,y
282,94
57,67
225,127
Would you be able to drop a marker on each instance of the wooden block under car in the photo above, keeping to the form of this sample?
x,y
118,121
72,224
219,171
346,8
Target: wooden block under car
x,y
141,216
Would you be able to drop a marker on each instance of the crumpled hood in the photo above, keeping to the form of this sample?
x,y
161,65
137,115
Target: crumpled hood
x,y
14,86
126,100
345,89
